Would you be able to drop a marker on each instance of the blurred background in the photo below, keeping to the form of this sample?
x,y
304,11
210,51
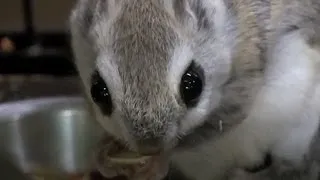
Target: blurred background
x,y
46,131
35,56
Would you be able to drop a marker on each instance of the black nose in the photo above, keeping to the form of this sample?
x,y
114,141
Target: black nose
x,y
150,147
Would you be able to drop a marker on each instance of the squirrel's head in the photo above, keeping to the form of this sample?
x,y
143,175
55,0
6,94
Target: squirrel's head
x,y
152,68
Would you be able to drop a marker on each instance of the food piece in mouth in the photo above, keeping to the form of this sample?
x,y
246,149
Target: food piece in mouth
x,y
128,158
118,153
114,159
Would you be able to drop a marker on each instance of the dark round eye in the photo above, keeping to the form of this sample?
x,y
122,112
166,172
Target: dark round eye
x,y
191,85
100,94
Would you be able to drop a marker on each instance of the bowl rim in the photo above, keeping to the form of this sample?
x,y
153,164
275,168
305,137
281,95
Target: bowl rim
x,y
21,107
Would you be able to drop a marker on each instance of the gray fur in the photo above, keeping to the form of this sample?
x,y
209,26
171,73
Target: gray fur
x,y
132,45
144,27
132,42
298,15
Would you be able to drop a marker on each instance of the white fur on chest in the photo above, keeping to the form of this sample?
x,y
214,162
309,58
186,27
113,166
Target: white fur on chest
x,y
283,120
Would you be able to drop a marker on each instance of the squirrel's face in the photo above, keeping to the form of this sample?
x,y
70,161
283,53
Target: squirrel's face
x,y
156,67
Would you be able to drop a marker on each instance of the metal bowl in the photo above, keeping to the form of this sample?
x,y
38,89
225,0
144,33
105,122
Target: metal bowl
x,y
56,134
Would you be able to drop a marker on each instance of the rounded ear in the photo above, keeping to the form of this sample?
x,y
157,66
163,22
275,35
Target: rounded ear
x,y
195,13
87,13
81,17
